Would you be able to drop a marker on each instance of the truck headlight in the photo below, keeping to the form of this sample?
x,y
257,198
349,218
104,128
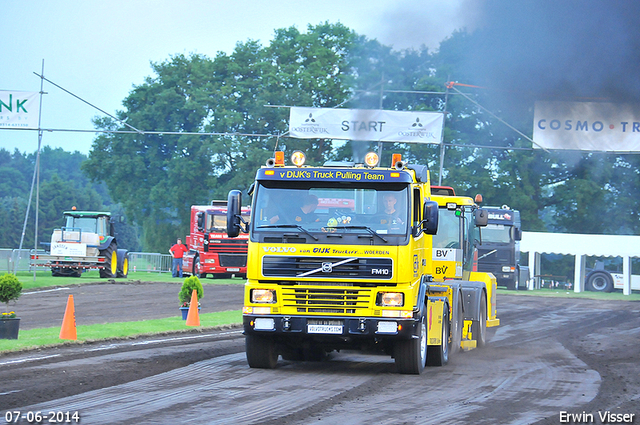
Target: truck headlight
x,y
390,299
265,296
508,269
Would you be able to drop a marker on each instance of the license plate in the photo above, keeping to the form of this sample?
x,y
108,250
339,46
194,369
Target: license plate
x,y
229,269
324,329
388,327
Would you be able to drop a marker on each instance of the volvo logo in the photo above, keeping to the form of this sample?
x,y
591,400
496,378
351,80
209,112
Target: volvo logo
x,y
327,267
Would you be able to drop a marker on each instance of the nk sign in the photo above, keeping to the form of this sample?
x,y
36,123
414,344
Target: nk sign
x,y
18,109
366,124
588,126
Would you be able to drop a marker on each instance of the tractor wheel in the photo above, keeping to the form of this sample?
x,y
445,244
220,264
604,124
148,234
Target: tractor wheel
x,y
123,263
111,262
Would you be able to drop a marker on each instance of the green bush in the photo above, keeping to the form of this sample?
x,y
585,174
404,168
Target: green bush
x,y
186,291
10,288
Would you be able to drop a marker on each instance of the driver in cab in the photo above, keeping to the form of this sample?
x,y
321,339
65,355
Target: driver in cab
x,y
390,215
303,214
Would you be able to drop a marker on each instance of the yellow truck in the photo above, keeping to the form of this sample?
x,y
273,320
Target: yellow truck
x,y
352,256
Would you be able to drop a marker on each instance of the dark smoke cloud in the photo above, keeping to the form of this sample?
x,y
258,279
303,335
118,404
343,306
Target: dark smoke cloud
x,y
558,49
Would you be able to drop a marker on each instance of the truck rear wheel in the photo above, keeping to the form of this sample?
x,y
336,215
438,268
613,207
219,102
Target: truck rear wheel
x,y
457,323
111,262
411,355
261,352
479,326
600,282
438,355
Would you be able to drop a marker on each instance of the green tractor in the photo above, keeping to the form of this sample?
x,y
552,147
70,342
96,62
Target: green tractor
x,y
87,241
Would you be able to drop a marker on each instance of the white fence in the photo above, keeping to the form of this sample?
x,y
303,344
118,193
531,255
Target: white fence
x,y
138,261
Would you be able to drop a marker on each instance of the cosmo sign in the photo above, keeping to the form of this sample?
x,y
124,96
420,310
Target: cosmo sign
x,y
591,126
366,124
18,109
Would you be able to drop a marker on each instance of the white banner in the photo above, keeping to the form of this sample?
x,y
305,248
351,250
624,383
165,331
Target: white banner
x,y
18,109
366,124
589,126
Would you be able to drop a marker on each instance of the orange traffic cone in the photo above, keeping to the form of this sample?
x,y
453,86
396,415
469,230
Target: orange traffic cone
x,y
68,330
193,318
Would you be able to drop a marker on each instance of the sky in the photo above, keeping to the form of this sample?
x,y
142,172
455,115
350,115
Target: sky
x,y
99,51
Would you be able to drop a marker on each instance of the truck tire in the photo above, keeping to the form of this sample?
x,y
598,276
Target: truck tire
x,y
111,263
261,352
457,323
411,355
600,282
123,263
438,355
479,325
197,269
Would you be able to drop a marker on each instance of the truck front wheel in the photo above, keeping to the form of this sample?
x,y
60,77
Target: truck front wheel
x,y
197,269
600,282
261,352
411,355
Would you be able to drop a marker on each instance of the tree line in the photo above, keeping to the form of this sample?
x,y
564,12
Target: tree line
x,y
155,178
62,186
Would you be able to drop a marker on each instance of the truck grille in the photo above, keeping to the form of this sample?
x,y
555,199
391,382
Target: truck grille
x,y
325,300
232,260
327,267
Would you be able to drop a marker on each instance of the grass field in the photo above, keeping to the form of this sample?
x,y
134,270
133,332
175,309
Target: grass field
x,y
48,337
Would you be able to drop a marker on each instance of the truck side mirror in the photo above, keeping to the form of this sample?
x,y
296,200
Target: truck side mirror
x,y
481,217
517,233
234,201
200,220
430,217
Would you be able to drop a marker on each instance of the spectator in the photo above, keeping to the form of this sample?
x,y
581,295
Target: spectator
x,y
177,252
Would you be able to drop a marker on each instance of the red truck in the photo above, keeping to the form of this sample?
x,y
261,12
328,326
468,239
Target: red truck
x,y
211,251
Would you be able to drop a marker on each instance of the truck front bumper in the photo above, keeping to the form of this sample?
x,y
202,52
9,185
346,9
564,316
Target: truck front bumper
x,y
330,328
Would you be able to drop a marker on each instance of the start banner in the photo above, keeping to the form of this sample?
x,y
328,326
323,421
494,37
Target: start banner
x,y
366,124
588,126
18,109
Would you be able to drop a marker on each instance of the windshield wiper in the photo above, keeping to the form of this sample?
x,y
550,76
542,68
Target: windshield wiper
x,y
286,226
367,228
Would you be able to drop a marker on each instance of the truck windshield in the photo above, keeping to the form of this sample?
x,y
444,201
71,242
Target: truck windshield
x,y
320,207
448,235
496,233
218,222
